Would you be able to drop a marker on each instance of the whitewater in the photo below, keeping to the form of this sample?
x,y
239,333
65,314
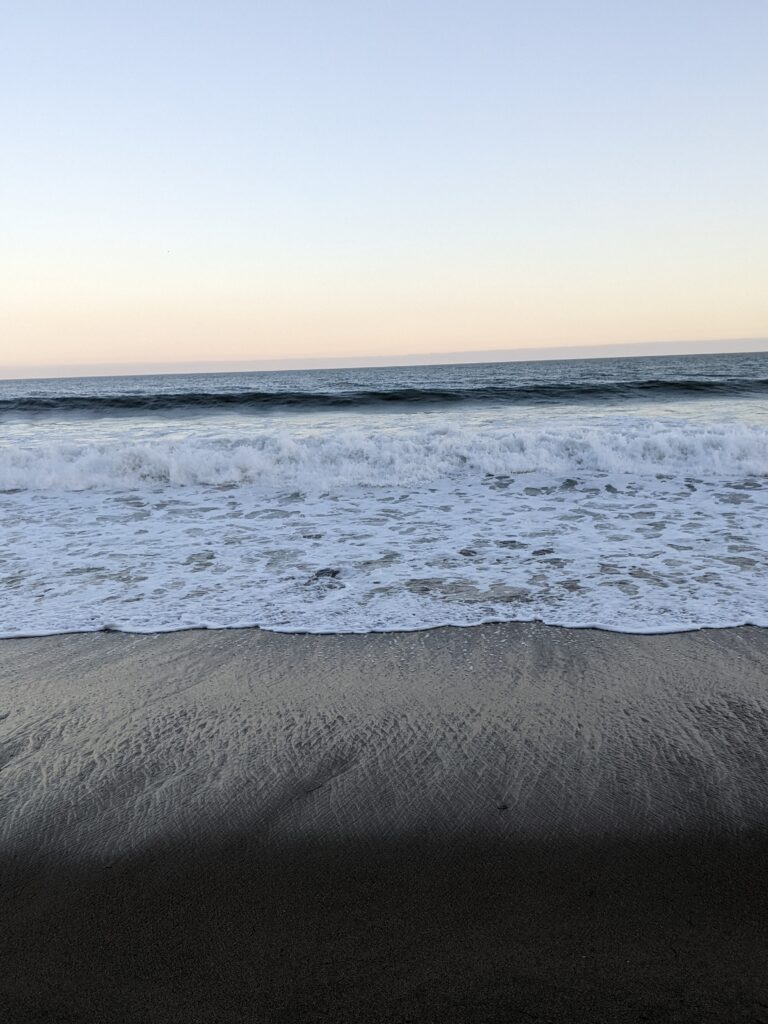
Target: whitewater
x,y
629,495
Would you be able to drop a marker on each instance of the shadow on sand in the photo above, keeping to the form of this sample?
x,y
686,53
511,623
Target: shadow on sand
x,y
420,931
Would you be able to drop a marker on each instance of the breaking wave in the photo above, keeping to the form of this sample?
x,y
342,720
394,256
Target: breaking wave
x,y
279,459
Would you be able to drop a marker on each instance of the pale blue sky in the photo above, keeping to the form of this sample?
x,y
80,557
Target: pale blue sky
x,y
187,181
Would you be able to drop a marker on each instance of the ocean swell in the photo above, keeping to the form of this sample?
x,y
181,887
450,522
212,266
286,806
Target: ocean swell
x,y
244,400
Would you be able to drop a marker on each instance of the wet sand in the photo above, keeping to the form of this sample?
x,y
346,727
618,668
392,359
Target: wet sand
x,y
512,822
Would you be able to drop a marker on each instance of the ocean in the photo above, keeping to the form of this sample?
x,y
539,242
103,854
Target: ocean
x,y
627,494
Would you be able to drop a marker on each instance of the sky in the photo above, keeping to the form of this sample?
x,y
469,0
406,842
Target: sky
x,y
188,182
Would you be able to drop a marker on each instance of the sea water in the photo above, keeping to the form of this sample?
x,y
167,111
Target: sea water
x,y
628,494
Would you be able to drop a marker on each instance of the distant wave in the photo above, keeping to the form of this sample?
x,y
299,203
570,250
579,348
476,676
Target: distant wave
x,y
254,400
327,461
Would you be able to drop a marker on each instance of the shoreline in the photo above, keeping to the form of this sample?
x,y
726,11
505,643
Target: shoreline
x,y
255,627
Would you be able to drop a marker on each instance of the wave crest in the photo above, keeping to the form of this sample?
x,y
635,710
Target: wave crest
x,y
279,459
263,400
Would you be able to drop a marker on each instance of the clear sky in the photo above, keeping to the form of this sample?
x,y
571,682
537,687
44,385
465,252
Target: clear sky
x,y
191,181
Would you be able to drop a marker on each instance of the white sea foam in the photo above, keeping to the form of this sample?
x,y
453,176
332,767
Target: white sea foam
x,y
625,523
332,460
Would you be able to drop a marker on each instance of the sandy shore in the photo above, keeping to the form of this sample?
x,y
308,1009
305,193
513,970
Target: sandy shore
x,y
491,824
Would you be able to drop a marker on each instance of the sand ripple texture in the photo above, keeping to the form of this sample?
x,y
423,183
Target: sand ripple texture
x,y
110,743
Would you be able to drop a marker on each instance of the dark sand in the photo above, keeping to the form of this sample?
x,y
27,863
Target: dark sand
x,y
648,932
622,878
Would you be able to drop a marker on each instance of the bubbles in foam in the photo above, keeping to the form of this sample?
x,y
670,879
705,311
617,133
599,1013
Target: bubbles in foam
x,y
330,460
382,523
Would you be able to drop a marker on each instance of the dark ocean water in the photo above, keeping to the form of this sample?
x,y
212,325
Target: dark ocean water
x,y
524,383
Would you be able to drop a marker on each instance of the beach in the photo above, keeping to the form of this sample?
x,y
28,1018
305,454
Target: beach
x,y
384,514
511,821
395,694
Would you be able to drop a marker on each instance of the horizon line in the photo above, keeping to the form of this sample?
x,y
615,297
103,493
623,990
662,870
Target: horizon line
x,y
637,349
